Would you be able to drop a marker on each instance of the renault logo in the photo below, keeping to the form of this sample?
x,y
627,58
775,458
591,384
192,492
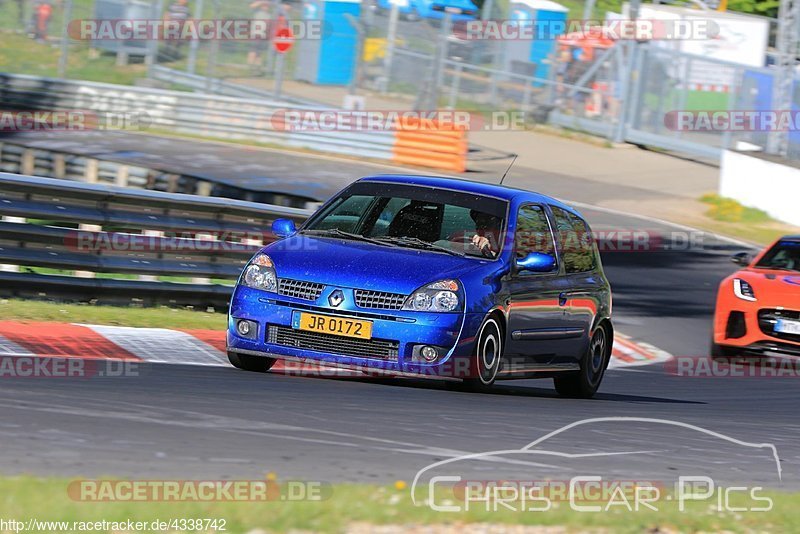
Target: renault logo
x,y
336,298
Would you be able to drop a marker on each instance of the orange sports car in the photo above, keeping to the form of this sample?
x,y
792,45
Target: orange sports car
x,y
758,307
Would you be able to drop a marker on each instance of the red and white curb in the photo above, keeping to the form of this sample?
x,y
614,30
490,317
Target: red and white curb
x,y
192,347
630,353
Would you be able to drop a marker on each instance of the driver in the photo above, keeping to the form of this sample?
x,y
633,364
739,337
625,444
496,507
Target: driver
x,y
487,233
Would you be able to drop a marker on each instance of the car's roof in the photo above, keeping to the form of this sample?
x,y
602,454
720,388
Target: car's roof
x,y
479,188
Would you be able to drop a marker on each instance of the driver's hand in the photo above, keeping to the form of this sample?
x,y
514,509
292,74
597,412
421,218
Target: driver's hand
x,y
482,244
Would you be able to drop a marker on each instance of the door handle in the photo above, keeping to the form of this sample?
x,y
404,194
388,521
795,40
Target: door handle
x,y
562,299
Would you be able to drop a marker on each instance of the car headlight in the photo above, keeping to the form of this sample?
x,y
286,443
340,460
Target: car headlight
x,y
260,274
439,296
743,290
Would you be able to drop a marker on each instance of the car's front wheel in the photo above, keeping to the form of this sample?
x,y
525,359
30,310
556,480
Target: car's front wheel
x,y
487,355
583,384
722,353
258,364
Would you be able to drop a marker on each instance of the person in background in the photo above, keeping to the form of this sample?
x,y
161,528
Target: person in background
x,y
259,46
42,11
177,11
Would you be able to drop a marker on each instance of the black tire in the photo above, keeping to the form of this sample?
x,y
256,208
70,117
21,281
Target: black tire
x,y
246,362
487,356
583,384
722,353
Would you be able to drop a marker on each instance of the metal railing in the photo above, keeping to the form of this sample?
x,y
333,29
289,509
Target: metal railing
x,y
196,114
94,242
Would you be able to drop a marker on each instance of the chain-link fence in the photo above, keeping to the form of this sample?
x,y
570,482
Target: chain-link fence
x,y
621,90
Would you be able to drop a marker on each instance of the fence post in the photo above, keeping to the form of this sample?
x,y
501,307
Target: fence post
x,y
619,134
455,85
526,94
388,58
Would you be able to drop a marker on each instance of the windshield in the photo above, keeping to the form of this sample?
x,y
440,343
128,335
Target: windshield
x,y
415,217
784,255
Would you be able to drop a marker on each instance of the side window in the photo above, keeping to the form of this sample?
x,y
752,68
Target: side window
x,y
575,241
346,215
532,233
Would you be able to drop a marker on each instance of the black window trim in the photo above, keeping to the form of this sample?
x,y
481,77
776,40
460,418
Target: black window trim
x,y
596,260
545,209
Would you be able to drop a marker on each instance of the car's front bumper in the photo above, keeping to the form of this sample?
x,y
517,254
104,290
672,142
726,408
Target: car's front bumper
x,y
395,334
750,328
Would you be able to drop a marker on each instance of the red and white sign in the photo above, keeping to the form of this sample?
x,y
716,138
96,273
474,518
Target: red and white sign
x,y
283,40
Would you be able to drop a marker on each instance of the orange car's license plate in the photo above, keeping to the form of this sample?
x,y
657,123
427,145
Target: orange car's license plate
x,y
328,324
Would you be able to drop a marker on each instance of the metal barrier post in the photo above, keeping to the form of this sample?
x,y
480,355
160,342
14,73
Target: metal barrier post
x,y
92,167
619,133
455,85
123,171
191,61
4,267
27,161
394,15
87,228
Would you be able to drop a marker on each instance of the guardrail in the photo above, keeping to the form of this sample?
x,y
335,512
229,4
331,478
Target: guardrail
x,y
258,120
91,242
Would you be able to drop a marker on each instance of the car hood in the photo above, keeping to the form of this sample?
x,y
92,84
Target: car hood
x,y
773,287
355,264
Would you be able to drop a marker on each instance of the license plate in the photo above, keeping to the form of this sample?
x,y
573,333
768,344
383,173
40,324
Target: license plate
x,y
328,324
788,327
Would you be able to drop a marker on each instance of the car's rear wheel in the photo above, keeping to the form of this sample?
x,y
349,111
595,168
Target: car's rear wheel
x,y
258,364
487,356
583,384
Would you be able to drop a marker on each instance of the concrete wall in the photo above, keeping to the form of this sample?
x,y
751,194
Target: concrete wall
x,y
760,183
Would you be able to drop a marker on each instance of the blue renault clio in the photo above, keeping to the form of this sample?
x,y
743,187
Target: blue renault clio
x,y
430,277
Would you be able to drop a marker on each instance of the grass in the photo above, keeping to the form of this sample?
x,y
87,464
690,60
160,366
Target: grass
x,y
729,217
369,505
729,210
162,317
22,55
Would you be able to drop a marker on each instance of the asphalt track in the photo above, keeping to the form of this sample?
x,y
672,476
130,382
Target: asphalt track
x,y
203,422
210,422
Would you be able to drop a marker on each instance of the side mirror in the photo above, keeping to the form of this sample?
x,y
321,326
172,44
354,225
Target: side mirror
x,y
537,262
283,228
742,258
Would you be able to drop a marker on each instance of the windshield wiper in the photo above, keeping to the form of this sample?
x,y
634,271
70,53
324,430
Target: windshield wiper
x,y
342,233
421,243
